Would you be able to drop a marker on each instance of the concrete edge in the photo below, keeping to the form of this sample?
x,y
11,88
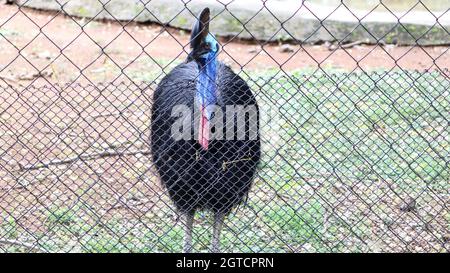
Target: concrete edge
x,y
298,23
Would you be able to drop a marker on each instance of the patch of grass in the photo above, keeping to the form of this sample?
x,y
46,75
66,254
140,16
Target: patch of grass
x,y
8,228
296,226
62,215
362,126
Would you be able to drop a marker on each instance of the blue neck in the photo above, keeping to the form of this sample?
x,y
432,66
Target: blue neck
x,y
206,82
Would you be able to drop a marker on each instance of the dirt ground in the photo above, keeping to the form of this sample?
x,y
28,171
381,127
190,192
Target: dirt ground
x,y
37,43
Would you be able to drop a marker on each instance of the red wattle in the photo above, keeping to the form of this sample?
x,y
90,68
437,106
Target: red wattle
x,y
203,132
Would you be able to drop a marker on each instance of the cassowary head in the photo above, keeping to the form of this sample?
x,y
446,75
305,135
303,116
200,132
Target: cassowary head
x,y
204,46
204,49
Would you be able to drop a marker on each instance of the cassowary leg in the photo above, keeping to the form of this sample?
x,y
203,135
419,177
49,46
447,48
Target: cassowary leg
x,y
217,227
188,223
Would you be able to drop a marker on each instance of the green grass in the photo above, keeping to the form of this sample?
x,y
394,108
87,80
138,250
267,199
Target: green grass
x,y
61,215
319,130
360,126
8,228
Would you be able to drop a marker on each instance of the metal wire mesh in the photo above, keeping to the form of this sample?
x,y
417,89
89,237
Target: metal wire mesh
x,y
352,159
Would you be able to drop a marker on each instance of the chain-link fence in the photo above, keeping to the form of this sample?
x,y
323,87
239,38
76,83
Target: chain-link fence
x,y
353,126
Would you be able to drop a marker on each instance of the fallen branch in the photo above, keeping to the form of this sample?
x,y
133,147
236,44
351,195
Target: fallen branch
x,y
21,244
117,114
57,162
10,81
326,217
124,205
346,46
8,78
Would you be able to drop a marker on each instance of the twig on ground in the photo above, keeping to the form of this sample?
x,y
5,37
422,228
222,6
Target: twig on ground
x,y
57,162
21,244
32,76
116,114
10,81
346,46
125,205
25,77
326,222
8,78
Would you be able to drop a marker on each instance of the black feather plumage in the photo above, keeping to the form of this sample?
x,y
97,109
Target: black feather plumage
x,y
215,179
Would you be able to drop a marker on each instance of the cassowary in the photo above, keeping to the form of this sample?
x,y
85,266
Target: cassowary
x,y
205,134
